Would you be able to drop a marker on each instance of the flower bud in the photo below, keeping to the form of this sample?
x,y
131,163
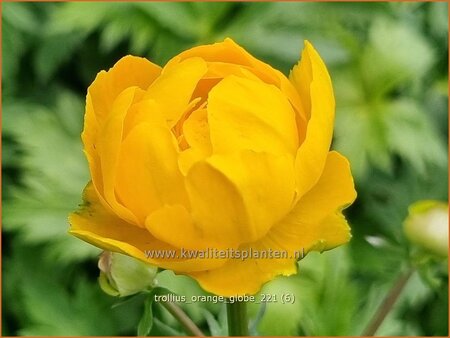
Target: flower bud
x,y
427,226
121,275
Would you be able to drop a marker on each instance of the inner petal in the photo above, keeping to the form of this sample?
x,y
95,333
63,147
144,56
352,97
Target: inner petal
x,y
244,114
148,175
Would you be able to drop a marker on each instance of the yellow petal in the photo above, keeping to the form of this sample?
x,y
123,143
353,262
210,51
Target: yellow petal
x,y
173,89
187,158
266,183
273,76
147,174
196,131
230,52
217,206
107,147
225,52
216,72
301,77
314,85
248,115
130,71
222,69
236,198
316,221
196,135
246,276
94,224
174,225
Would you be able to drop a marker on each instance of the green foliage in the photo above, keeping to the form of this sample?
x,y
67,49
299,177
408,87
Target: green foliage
x,y
48,192
389,65
146,323
44,304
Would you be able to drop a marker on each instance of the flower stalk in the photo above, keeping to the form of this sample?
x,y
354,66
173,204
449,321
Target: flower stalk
x,y
186,322
387,304
237,319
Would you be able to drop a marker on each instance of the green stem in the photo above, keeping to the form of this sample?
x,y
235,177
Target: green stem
x,y
186,322
237,319
387,304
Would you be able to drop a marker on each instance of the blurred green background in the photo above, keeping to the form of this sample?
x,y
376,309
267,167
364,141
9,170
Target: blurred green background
x,y
389,65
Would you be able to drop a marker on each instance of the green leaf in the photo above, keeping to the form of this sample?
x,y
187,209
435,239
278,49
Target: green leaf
x,y
68,109
175,17
50,56
79,17
53,301
146,323
384,199
53,312
14,45
128,24
438,20
214,326
254,323
38,209
21,16
371,134
280,319
360,135
387,59
327,311
162,329
166,46
412,136
114,32
184,285
209,15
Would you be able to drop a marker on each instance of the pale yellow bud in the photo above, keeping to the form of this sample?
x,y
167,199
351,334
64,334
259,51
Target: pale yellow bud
x,y
121,275
427,226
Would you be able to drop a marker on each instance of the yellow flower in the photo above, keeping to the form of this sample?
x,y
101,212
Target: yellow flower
x,y
217,150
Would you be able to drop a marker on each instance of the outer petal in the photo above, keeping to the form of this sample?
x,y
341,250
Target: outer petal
x,y
219,70
107,147
301,77
236,198
130,71
174,225
226,52
314,86
246,276
316,223
173,89
265,182
96,225
248,115
217,206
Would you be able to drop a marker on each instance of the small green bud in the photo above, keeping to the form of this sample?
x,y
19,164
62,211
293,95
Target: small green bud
x,y
427,226
121,275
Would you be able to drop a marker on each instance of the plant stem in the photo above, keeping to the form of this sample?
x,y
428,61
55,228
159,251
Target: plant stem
x,y
387,304
237,319
186,322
